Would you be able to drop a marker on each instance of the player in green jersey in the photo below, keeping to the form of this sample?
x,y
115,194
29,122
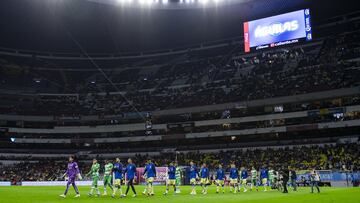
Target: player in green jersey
x,y
108,176
271,177
94,172
254,178
178,178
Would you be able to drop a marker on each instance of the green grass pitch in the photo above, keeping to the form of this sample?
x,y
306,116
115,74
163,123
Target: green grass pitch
x,y
22,194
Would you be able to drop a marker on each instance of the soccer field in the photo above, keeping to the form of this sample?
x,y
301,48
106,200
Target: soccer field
x,y
24,194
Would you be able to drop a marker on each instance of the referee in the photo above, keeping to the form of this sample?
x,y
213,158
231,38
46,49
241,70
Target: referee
x,y
285,175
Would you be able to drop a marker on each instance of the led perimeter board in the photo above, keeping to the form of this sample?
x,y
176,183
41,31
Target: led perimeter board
x,y
278,30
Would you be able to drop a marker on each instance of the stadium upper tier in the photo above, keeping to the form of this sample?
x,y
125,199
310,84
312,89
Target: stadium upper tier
x,y
214,74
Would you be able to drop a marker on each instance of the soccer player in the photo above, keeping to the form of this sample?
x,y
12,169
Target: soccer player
x,y
171,178
271,177
254,177
94,172
314,181
293,178
193,177
243,179
204,174
264,177
130,176
118,176
220,177
234,175
178,176
71,173
108,176
150,174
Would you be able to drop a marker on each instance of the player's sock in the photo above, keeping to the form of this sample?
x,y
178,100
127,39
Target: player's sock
x,y
105,192
91,191
67,188
152,189
75,188
120,188
193,190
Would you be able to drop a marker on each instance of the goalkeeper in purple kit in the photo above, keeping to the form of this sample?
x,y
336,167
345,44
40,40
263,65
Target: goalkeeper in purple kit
x,y
72,172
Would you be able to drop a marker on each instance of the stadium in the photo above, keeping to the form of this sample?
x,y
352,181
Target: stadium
x,y
179,100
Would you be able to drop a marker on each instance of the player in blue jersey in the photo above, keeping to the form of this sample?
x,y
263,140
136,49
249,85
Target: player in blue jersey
x,y
130,172
193,176
243,179
118,177
220,179
150,175
171,179
264,176
204,174
234,175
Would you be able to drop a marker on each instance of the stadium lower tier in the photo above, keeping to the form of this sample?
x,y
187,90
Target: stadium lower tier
x,y
337,157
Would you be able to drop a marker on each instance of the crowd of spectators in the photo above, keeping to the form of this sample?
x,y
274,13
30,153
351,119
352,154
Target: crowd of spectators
x,y
342,157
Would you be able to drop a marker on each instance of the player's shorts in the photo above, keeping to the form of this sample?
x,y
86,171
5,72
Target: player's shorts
x,y
204,181
71,180
150,180
178,181
233,181
95,180
254,181
220,182
264,181
171,181
192,181
244,181
107,180
117,182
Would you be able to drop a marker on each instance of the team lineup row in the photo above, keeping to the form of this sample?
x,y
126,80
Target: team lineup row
x,y
267,177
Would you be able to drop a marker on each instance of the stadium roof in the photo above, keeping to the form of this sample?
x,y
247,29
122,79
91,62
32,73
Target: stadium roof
x,y
59,25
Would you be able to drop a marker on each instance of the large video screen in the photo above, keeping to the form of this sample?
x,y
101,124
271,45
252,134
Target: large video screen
x,y
278,30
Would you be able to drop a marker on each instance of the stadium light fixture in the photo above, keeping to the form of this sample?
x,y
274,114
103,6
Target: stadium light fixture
x,y
170,4
125,1
204,1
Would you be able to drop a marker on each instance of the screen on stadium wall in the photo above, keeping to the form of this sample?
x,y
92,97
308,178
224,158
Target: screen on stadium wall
x,y
278,30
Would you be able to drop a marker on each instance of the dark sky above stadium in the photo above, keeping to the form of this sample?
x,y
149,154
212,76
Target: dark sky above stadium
x,y
53,25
